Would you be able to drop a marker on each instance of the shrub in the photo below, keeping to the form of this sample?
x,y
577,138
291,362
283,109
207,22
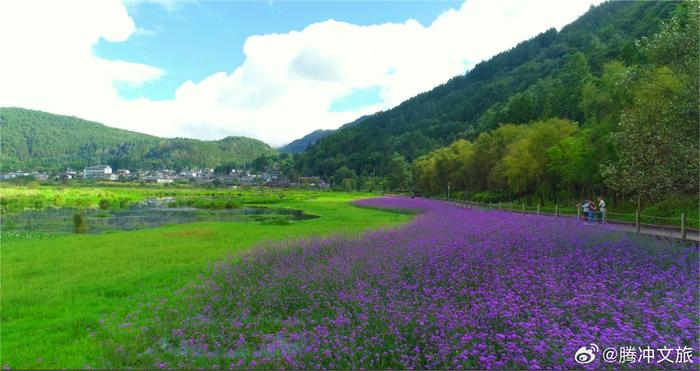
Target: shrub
x,y
104,204
79,223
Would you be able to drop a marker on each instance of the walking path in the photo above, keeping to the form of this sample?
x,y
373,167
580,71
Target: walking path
x,y
659,231
673,232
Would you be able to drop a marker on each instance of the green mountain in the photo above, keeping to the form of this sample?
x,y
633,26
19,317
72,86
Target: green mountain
x,y
304,142
39,140
535,80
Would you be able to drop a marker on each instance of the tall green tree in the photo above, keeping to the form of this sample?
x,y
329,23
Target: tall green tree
x,y
657,140
656,145
398,172
345,178
526,161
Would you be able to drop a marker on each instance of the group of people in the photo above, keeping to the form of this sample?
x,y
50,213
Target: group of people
x,y
591,212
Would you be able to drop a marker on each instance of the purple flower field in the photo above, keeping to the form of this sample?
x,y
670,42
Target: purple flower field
x,y
454,288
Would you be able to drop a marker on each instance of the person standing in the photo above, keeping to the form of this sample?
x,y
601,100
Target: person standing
x,y
591,211
585,207
601,210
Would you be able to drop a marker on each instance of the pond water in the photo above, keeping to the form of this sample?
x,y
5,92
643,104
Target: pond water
x,y
145,215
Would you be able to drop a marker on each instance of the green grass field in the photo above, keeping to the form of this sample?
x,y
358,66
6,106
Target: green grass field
x,y
57,289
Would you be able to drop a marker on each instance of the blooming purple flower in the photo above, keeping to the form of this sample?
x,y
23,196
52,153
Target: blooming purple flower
x,y
454,288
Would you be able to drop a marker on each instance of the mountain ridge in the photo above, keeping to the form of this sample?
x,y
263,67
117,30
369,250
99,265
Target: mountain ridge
x,y
304,142
33,139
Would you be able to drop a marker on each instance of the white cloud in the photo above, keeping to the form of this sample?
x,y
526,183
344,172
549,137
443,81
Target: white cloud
x,y
286,84
148,31
170,6
47,60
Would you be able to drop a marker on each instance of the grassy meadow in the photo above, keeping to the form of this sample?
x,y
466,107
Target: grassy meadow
x,y
57,289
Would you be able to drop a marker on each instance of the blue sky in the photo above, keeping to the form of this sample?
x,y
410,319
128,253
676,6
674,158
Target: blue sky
x,y
192,40
274,71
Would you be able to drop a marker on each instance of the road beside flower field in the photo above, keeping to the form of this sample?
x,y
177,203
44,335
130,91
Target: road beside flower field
x,y
455,288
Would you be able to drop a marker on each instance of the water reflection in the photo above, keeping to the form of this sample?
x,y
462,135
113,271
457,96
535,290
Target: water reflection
x,y
145,215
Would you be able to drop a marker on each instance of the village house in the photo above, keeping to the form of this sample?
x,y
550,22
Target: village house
x,y
123,173
97,172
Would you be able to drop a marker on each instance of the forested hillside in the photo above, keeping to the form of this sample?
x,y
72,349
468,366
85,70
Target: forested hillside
x,y
611,104
637,134
538,78
38,140
304,142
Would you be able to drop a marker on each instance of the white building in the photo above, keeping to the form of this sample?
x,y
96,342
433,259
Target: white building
x,y
97,172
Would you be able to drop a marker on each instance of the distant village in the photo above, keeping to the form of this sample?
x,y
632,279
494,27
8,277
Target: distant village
x,y
269,177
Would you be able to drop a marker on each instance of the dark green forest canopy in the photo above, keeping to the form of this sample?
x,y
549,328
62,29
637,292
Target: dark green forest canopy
x,y
37,140
538,79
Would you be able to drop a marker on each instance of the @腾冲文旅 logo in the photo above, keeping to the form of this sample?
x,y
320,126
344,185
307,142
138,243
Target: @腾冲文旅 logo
x,y
586,354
